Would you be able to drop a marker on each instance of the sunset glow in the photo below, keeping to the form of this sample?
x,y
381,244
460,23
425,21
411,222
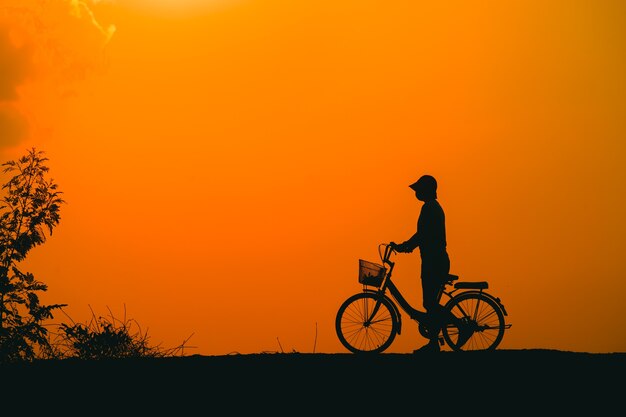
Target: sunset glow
x,y
176,7
225,167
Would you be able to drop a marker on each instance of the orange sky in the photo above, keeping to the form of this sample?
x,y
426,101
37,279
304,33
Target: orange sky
x,y
226,163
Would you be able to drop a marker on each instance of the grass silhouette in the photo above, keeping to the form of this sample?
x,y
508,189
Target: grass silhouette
x,y
108,337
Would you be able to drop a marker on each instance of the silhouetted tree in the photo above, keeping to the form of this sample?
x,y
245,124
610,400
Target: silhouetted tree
x,y
29,211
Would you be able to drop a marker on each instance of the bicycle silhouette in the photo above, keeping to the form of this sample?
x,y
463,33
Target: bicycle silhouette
x,y
368,322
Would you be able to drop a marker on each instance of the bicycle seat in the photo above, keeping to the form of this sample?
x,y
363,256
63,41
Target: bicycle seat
x,y
482,285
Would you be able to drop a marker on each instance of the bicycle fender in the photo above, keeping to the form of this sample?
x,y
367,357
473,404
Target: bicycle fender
x,y
398,316
486,294
497,300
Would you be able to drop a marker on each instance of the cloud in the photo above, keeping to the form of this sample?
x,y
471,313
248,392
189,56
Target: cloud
x,y
13,126
45,43
81,10
15,65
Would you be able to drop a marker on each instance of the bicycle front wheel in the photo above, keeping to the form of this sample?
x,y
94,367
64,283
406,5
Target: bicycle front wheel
x,y
481,318
358,331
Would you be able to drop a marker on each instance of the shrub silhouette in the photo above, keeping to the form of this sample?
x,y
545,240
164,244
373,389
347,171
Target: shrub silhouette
x,y
29,211
107,338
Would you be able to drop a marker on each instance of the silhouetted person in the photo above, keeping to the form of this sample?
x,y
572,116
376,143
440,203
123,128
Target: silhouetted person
x,y
431,240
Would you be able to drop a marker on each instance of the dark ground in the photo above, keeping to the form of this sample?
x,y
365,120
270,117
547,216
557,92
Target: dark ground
x,y
504,382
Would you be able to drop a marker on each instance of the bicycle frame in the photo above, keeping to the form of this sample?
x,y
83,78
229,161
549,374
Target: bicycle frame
x,y
388,285
412,312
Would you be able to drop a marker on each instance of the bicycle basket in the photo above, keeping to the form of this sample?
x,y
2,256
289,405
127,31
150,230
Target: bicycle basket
x,y
371,273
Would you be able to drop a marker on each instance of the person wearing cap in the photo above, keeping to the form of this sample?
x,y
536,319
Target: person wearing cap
x,y
431,240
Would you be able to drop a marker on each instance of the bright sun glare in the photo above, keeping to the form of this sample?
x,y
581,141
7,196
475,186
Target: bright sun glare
x,y
177,6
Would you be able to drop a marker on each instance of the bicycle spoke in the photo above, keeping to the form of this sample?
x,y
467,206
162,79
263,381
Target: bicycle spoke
x,y
381,320
482,316
359,331
356,314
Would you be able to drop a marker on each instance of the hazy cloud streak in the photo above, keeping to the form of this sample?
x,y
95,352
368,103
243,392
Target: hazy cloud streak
x,y
47,43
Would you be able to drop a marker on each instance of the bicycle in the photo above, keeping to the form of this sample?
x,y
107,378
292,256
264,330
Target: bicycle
x,y
368,322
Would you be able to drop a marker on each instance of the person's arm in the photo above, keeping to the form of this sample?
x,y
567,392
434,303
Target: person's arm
x,y
416,240
410,244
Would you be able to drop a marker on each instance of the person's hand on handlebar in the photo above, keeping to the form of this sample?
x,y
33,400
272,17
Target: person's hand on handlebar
x,y
400,248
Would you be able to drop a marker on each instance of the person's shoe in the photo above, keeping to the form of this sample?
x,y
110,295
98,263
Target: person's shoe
x,y
432,346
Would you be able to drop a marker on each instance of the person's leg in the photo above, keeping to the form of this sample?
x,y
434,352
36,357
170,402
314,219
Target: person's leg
x,y
434,268
430,293
429,300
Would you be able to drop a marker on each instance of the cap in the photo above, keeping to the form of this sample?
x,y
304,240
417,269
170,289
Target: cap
x,y
425,182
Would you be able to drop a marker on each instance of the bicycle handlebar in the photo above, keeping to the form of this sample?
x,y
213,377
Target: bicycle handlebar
x,y
388,251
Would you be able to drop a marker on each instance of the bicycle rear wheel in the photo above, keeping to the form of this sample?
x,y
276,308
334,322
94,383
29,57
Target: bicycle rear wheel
x,y
483,318
359,335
